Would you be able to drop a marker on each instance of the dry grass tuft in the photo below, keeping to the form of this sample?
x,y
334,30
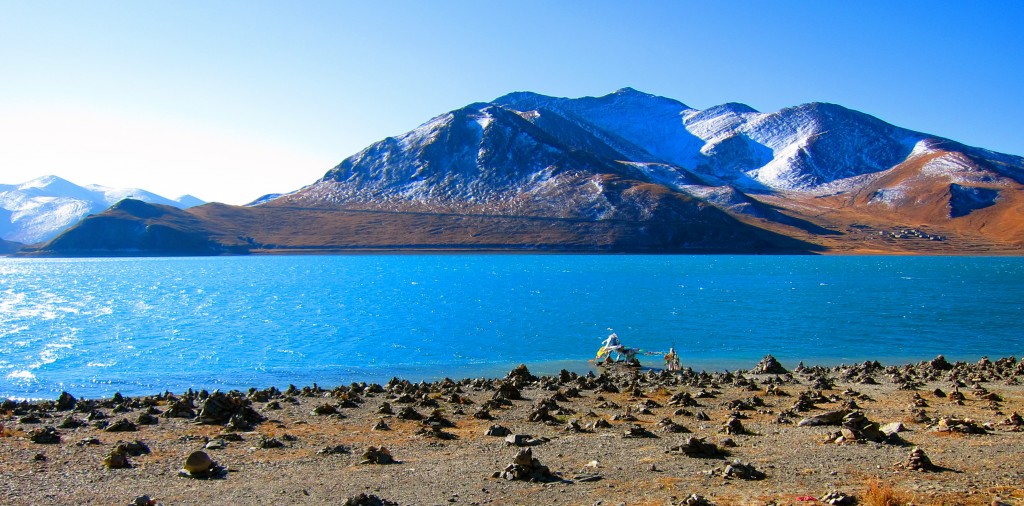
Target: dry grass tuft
x,y
882,494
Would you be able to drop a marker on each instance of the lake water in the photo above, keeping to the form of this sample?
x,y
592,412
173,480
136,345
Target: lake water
x,y
142,326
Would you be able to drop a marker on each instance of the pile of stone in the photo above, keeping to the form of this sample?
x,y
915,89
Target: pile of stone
x,y
857,427
45,435
435,431
520,376
497,431
836,498
525,467
269,443
668,425
117,459
409,413
960,426
542,411
638,431
122,425
375,455
769,365
145,500
682,399
696,500
733,426
698,448
334,450
367,500
574,425
506,391
918,461
232,410
742,471
179,408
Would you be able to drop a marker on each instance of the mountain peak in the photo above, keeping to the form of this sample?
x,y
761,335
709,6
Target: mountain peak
x,y
46,182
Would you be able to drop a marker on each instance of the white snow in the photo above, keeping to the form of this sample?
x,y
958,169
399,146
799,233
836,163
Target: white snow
x,y
42,208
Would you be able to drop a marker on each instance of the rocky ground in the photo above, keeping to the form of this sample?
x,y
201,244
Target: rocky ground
x,y
925,433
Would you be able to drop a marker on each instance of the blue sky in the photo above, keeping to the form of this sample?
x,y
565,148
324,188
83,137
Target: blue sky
x,y
229,100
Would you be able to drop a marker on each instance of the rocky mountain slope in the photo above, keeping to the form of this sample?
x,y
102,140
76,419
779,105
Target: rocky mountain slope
x,y
38,210
636,172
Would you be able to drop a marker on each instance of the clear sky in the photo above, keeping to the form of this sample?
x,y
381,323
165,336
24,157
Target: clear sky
x,y
229,100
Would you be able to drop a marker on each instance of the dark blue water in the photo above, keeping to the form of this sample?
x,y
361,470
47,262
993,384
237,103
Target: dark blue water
x,y
142,326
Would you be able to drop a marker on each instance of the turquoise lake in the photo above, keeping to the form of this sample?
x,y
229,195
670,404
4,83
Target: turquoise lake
x,y
142,326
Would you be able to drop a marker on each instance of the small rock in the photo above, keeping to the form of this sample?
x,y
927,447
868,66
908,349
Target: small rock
x,y
143,500
892,428
497,431
334,450
199,465
216,444
269,443
830,418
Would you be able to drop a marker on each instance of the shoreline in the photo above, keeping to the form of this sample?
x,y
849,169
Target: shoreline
x,y
495,370
621,434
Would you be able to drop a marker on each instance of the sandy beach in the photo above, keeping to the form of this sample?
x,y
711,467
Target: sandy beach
x,y
925,433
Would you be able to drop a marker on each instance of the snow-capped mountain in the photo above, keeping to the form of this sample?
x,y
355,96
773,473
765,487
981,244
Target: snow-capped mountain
x,y
627,171
531,154
39,209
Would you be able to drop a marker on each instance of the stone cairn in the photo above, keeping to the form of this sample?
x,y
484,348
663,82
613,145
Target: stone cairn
x,y
918,461
525,467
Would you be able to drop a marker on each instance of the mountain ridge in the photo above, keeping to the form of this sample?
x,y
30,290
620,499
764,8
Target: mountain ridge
x,y
652,170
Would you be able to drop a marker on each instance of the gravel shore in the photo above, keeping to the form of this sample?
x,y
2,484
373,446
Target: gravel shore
x,y
927,433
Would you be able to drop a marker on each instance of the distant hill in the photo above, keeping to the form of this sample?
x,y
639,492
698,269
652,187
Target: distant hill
x,y
636,172
38,210
8,247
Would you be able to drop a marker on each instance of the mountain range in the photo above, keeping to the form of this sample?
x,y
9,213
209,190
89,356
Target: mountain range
x,y
40,209
628,171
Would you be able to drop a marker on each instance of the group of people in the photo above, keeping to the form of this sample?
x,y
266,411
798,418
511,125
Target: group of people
x,y
612,345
